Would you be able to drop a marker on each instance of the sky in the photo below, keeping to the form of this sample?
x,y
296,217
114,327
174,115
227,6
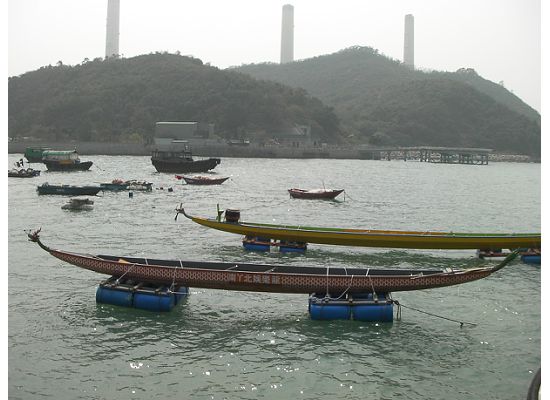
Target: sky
x,y
500,39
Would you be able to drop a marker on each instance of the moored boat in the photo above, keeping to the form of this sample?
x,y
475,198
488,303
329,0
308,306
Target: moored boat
x,y
371,237
270,278
23,173
181,162
139,185
68,190
64,161
115,185
314,193
201,180
78,205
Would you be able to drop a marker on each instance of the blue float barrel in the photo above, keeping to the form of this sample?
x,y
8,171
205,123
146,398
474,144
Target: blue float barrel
x,y
373,312
154,301
113,296
371,309
256,247
327,309
531,259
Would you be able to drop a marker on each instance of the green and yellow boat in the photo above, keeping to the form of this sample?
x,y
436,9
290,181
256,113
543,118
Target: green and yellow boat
x,y
369,237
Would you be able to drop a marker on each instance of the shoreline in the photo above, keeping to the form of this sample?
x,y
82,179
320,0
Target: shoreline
x,y
209,148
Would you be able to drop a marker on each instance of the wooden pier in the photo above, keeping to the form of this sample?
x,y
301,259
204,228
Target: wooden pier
x,y
444,155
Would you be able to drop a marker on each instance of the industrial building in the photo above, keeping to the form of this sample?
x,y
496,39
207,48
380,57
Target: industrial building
x,y
287,34
113,29
408,50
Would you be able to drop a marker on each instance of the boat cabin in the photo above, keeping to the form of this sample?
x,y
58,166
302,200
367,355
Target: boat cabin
x,y
69,157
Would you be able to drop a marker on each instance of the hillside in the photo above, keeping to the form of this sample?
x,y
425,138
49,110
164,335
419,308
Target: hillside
x,y
382,101
121,99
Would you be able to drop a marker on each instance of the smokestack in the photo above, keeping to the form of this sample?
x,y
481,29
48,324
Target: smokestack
x,y
287,36
113,17
408,51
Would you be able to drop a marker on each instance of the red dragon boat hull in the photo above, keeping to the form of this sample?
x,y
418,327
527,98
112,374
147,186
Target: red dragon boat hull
x,y
270,278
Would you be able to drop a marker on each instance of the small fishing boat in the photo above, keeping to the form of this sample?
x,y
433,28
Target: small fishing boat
x,y
369,237
64,161
78,205
68,190
201,180
114,186
314,193
139,185
181,162
270,278
23,173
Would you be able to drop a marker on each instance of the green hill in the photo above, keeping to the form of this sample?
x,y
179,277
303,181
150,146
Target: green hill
x,y
384,102
121,99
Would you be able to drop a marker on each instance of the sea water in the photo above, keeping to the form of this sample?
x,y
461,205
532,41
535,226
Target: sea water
x,y
240,345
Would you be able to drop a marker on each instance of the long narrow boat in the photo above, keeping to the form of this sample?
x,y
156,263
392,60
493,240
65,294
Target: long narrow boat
x,y
202,180
374,238
68,190
270,278
314,193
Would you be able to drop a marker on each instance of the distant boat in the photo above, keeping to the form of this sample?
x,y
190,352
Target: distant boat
x,y
202,180
68,190
140,185
115,185
314,193
23,173
64,161
181,162
34,154
78,205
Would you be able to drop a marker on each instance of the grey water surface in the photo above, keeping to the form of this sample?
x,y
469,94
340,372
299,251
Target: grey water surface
x,y
240,345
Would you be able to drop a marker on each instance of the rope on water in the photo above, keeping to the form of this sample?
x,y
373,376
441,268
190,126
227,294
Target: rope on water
x,y
399,305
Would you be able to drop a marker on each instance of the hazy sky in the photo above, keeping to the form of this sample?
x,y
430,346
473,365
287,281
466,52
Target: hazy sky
x,y
500,39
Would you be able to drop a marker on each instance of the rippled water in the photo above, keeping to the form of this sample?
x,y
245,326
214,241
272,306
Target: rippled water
x,y
220,344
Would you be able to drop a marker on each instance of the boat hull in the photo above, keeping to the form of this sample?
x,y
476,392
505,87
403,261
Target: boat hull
x,y
57,166
204,181
113,187
304,194
181,166
68,190
228,276
374,238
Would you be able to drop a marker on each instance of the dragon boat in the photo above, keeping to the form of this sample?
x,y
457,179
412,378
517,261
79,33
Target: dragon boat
x,y
270,278
368,237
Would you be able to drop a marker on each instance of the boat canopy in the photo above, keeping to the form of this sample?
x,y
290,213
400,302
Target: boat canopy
x,y
59,155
